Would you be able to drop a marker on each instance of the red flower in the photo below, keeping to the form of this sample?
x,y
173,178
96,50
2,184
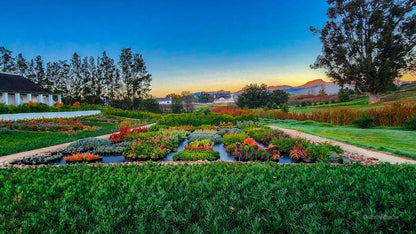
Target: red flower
x,y
133,147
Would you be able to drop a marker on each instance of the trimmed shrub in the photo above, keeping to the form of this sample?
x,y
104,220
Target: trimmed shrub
x,y
198,136
259,133
142,136
157,127
364,122
410,123
88,143
198,119
229,131
195,155
231,139
318,152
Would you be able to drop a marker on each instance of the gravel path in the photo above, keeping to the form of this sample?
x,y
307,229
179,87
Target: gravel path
x,y
382,156
47,149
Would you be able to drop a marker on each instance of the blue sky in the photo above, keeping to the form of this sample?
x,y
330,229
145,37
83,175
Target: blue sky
x,y
187,45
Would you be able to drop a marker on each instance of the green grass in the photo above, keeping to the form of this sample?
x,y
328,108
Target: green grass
x,y
22,141
394,140
212,198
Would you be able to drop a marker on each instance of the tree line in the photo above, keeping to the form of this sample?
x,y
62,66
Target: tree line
x,y
95,80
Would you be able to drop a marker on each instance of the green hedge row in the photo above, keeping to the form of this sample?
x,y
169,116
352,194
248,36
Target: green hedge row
x,y
198,119
217,197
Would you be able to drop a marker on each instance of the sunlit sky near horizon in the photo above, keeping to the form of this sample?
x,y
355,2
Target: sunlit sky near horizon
x,y
187,45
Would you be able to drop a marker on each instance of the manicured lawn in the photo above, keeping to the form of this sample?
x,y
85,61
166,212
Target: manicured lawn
x,y
393,140
15,141
213,198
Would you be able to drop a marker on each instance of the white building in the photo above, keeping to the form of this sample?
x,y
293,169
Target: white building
x,y
164,100
16,90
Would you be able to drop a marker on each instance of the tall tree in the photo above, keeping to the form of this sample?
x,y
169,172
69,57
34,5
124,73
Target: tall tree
x,y
21,65
253,96
188,101
6,60
30,73
63,80
109,76
76,77
134,74
40,73
367,43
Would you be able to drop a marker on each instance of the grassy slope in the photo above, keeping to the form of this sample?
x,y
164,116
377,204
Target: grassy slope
x,y
214,198
22,141
393,140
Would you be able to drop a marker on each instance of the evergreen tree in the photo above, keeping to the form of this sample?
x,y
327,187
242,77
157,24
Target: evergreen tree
x,y
76,77
21,65
40,73
6,60
30,73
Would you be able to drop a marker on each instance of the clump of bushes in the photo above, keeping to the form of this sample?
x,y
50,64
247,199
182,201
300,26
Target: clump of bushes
x,y
157,127
82,157
198,119
88,143
364,122
198,136
411,123
231,139
229,131
195,155
259,133
43,159
204,145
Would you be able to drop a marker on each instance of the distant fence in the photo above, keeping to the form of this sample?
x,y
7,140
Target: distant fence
x,y
48,115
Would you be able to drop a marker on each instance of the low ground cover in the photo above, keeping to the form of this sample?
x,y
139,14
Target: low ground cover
x,y
215,197
393,140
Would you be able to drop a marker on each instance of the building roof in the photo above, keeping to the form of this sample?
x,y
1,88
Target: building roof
x,y
163,99
18,84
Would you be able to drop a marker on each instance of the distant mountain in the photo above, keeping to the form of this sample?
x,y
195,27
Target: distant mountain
x,y
312,86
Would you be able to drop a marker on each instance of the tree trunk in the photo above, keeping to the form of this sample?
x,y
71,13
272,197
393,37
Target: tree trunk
x,y
374,98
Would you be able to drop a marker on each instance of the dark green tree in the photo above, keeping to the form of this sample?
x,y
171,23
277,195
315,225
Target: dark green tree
x,y
367,43
6,60
76,78
176,105
278,97
40,74
188,101
253,96
21,65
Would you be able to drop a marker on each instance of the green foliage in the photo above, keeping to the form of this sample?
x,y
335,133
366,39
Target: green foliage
x,y
198,136
38,160
411,123
285,108
131,114
88,143
259,133
389,47
159,198
176,105
343,95
255,96
198,119
232,138
142,136
195,155
157,127
22,141
229,131
318,152
364,122
285,144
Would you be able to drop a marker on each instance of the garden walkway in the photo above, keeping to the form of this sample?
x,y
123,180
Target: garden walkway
x,y
47,149
382,156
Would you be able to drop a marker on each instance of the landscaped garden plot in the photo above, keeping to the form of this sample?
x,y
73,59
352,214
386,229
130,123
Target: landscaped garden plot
x,y
211,197
244,141
27,135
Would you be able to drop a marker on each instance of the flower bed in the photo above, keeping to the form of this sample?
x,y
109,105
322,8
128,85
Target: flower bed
x,y
51,125
83,157
250,151
39,160
203,145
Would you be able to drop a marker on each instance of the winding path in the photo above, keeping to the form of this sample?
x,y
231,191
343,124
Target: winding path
x,y
3,159
382,156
